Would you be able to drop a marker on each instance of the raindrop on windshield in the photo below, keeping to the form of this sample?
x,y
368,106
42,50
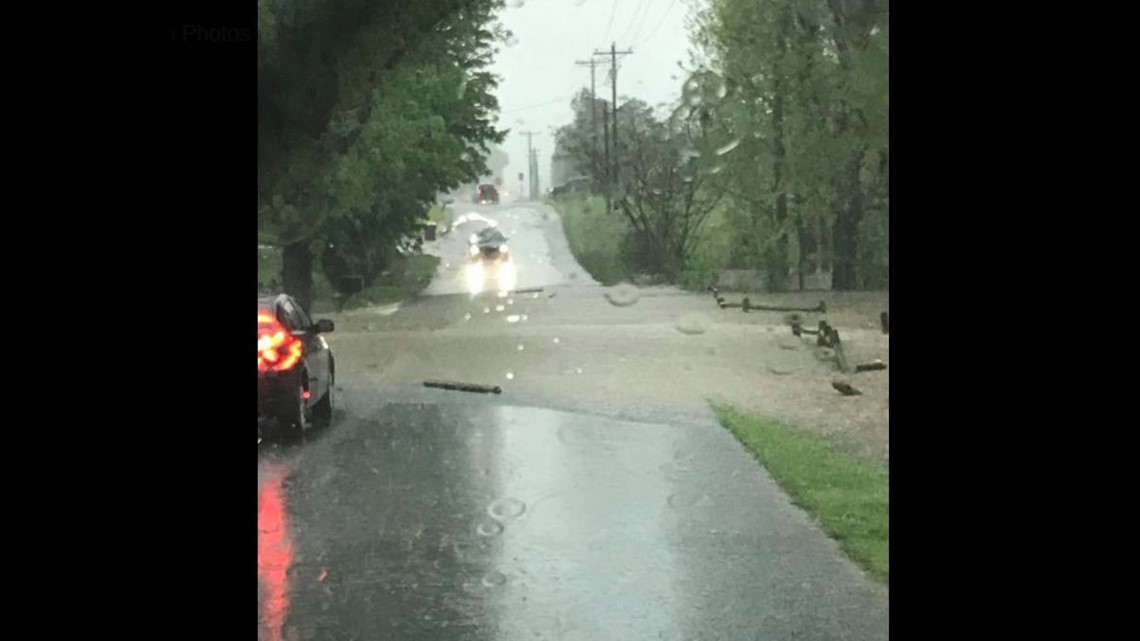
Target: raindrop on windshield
x,y
513,318
517,3
716,170
693,324
467,316
578,370
506,508
510,376
494,579
525,317
486,310
499,308
556,341
623,295
727,148
489,528
521,347
512,41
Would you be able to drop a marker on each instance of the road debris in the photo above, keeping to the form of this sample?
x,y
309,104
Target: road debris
x,y
464,387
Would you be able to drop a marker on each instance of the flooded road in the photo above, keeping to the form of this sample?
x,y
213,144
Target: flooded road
x,y
590,500
413,519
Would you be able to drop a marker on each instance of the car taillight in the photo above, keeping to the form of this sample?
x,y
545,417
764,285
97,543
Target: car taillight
x,y
277,349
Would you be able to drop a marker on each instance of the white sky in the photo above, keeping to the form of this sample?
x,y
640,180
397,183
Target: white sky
x,y
538,74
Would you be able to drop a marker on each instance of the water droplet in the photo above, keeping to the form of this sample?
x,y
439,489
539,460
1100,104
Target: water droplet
x,y
513,318
684,499
494,579
693,324
506,508
510,376
467,316
578,371
716,170
623,295
499,308
517,3
521,347
486,310
556,341
489,528
510,301
727,148
512,40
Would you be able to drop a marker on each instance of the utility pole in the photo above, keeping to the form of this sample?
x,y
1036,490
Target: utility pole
x,y
612,168
535,194
530,159
593,102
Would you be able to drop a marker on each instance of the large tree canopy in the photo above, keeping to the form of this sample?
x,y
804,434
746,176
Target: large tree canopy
x,y
805,105
366,110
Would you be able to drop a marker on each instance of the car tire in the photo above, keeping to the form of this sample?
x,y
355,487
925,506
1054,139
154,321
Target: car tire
x,y
293,421
323,410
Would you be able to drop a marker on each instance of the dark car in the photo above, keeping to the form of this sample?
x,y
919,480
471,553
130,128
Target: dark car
x,y
295,367
487,195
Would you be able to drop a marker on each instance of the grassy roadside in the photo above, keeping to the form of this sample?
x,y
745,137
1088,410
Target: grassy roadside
x,y
405,278
594,238
849,498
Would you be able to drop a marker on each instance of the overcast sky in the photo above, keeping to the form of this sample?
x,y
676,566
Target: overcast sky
x,y
538,74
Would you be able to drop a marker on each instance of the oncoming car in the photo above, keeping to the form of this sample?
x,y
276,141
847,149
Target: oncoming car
x,y
490,259
295,367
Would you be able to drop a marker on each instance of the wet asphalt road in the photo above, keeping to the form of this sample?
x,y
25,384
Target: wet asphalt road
x,y
426,514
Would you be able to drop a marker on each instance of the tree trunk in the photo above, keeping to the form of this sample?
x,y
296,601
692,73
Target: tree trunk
x,y
844,276
808,247
778,265
297,273
826,247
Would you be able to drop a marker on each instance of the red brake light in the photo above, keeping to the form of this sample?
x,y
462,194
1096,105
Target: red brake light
x,y
277,349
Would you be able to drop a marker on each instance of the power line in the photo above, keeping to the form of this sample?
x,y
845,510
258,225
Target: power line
x,y
659,23
541,104
641,25
613,11
633,19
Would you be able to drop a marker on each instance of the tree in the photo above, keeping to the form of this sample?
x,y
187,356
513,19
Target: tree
x,y
806,80
367,109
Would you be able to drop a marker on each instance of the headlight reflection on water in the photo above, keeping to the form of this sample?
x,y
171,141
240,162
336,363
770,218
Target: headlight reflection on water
x,y
475,278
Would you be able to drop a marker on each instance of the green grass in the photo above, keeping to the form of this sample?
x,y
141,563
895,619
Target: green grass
x,y
594,237
848,497
407,276
439,214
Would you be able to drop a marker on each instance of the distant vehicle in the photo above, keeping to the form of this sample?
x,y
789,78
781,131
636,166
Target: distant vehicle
x,y
295,367
487,195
